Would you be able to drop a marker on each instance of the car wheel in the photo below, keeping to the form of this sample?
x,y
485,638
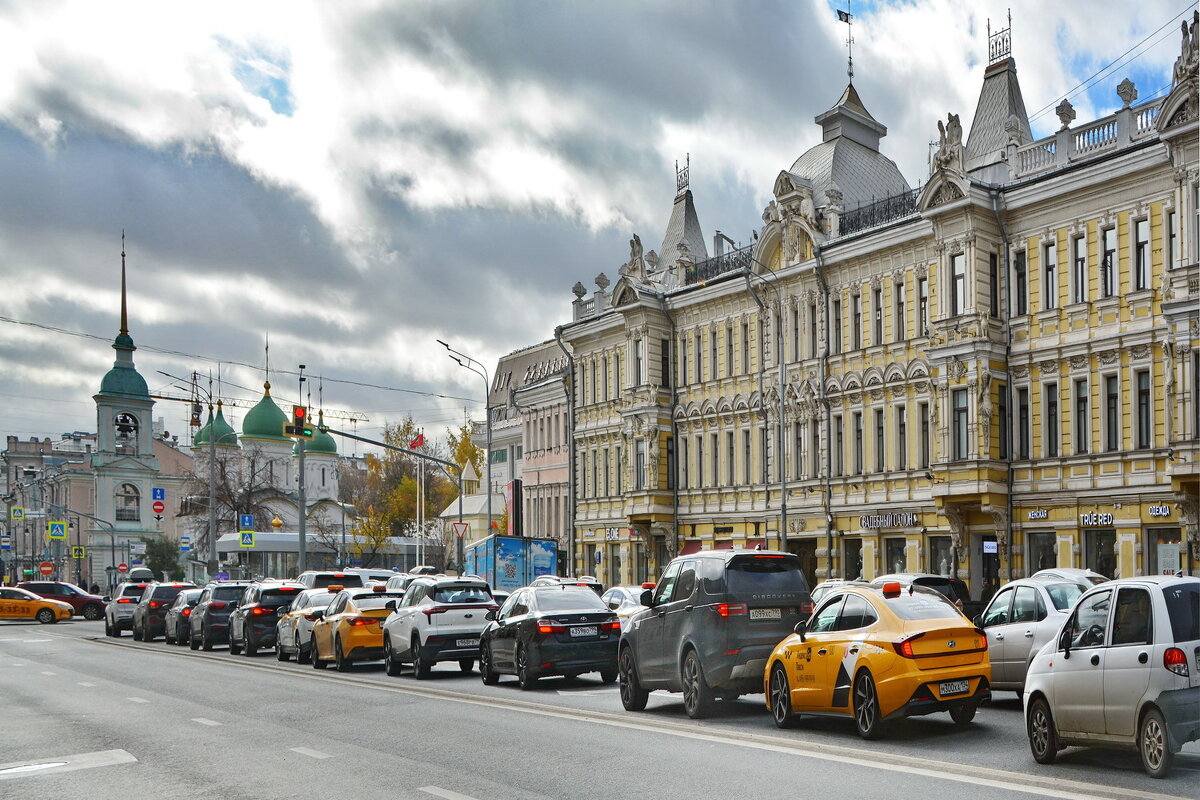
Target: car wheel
x,y
107,628
526,678
193,642
608,675
421,667
867,716
466,664
1043,739
147,636
92,612
280,653
1154,744
168,638
487,674
183,637
697,695
391,664
316,658
781,699
340,662
116,632
250,648
46,617
963,713
633,696
304,654
137,633
234,647
205,642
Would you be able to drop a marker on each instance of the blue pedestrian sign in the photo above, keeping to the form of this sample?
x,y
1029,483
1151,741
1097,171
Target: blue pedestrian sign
x,y
5,543
247,538
17,513
185,543
158,493
246,522
56,530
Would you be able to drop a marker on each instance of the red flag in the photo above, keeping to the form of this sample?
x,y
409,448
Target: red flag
x,y
417,442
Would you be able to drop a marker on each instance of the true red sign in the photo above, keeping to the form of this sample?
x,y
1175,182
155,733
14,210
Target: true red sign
x,y
159,506
122,567
46,568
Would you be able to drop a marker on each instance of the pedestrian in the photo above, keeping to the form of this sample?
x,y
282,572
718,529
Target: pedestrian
x,y
94,588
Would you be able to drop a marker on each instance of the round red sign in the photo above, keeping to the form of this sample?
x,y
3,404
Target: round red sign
x,y
122,567
159,507
46,568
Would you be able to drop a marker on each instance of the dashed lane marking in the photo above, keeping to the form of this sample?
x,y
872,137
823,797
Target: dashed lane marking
x,y
88,685
102,758
203,721
446,794
308,751
137,699
46,672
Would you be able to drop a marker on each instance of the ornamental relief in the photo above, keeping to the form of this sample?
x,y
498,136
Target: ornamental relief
x,y
1079,362
1019,371
898,392
1049,365
921,386
1140,351
877,394
1109,357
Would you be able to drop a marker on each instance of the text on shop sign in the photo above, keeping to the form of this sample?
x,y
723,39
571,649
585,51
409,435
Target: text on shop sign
x,y
899,519
1095,519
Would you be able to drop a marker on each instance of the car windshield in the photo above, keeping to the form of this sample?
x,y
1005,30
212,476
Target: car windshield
x,y
348,580
922,606
278,597
461,594
1183,609
228,592
1064,595
765,575
572,598
951,590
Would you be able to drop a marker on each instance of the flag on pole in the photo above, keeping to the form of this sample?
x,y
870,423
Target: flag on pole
x,y
843,16
417,442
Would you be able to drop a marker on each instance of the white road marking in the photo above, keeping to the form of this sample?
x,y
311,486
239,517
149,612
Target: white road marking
x,y
438,791
203,721
27,641
85,683
305,751
137,700
102,758
44,672
16,664
576,692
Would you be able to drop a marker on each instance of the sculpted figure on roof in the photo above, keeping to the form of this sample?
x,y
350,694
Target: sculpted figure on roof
x,y
950,145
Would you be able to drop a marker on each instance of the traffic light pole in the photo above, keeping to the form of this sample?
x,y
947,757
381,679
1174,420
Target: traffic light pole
x,y
303,551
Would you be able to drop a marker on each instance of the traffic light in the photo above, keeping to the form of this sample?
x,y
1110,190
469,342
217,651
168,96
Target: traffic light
x,y
299,429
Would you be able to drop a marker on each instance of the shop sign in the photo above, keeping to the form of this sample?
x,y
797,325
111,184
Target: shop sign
x,y
1039,513
898,519
991,547
1160,511
612,534
719,529
1095,518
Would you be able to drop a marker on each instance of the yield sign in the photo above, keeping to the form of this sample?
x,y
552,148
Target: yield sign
x,y
460,529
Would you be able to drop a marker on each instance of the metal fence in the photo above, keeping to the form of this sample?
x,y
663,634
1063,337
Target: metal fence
x,y
880,212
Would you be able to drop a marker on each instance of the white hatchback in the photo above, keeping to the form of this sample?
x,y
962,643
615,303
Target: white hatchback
x,y
1124,671
439,619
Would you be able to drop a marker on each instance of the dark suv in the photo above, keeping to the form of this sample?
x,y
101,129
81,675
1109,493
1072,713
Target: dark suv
x,y
209,620
149,615
252,623
89,606
709,627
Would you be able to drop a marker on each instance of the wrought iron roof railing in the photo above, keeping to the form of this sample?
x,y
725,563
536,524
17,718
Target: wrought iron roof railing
x,y
718,265
880,212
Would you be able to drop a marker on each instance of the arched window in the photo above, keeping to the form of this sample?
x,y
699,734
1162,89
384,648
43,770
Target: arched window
x,y
125,429
128,503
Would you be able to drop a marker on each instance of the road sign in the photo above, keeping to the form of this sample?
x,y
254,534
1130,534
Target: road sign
x,y
46,568
78,552
158,493
137,548
56,529
122,567
247,538
158,517
17,513
460,529
185,543
245,522
5,543
159,506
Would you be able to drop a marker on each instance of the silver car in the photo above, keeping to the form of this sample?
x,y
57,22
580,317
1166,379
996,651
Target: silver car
x,y
1087,577
1021,617
118,614
1123,672
293,631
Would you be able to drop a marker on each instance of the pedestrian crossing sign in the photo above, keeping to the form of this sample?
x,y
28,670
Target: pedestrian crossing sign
x,y
247,538
56,530
78,552
18,512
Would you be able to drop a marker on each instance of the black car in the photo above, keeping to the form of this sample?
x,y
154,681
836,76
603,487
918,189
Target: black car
x,y
710,625
175,624
252,623
149,616
550,630
208,623
583,580
953,589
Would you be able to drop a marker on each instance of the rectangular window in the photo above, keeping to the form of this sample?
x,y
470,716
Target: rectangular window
x,y
595,473
812,330
1172,239
684,463
1112,413
858,443
836,333
683,361
671,465
607,474
959,403
1141,254
639,361
900,324
730,461
856,320
747,459
595,383
924,409
698,352
1050,276
878,299
712,354
994,284
745,348
700,461
797,450
901,438
1002,413
728,349
880,465
762,448
1143,409
814,448
1108,264
1079,291
1051,420
664,361
958,284
922,307
1020,283
1081,416
639,464
715,449
1023,423
604,377
796,332
837,444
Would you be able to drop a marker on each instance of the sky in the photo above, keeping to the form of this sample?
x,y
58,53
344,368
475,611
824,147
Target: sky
x,y
353,181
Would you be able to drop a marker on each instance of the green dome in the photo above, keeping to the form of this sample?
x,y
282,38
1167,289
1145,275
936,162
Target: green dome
x,y
265,420
322,443
226,435
201,437
126,382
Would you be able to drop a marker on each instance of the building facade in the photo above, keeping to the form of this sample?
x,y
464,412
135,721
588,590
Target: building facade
x,y
985,375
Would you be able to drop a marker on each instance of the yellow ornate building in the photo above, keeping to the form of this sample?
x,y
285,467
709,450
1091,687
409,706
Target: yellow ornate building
x,y
990,374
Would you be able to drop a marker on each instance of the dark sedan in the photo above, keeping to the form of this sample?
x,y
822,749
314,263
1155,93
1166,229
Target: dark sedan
x,y
178,631
209,620
149,616
550,630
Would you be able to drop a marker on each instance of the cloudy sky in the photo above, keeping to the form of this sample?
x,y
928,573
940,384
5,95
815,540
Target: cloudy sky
x,y
356,180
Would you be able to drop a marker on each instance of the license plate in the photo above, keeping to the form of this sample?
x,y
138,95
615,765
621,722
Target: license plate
x,y
466,642
953,687
766,613
584,630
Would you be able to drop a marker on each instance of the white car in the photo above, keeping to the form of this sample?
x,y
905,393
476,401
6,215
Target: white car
x,y
1021,617
1123,672
625,600
293,632
439,619
1084,576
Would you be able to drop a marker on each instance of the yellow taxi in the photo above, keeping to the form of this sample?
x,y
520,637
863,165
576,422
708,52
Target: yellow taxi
x,y
878,654
21,604
350,628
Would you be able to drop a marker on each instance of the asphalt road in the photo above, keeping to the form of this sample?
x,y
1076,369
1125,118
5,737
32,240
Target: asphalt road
x,y
82,716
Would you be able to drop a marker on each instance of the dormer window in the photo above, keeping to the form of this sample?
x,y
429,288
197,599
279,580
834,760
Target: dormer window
x,y
125,434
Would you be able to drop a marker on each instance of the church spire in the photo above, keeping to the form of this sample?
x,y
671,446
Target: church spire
x,y
124,309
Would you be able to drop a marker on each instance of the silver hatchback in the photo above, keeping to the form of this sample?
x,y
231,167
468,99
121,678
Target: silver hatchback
x,y
1021,617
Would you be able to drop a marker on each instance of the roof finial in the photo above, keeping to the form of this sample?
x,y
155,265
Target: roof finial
x,y
847,17
682,176
267,349
1000,42
124,311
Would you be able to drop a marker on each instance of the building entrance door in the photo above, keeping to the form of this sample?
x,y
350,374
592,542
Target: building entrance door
x,y
985,566
806,549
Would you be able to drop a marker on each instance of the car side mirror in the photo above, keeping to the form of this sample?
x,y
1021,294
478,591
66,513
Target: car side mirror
x,y
282,610
390,605
316,615
614,604
490,615
647,598
1064,642
978,620
106,599
800,628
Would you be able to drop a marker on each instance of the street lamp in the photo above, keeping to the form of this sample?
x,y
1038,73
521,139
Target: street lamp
x,y
466,362
782,437
212,473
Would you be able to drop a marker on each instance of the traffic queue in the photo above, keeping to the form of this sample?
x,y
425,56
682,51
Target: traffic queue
x,y
1097,663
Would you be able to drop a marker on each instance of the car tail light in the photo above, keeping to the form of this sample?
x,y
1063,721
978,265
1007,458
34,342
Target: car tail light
x,y
806,607
733,652
361,621
891,589
259,611
379,588
311,617
730,609
649,585
1175,660
187,612
982,634
429,612
611,625
492,607
218,604
548,626
156,604
904,647
124,600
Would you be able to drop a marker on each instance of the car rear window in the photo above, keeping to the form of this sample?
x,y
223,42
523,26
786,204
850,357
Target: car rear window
x,y
570,598
376,599
764,577
462,594
922,606
228,592
1064,595
131,590
348,580
952,590
278,597
1183,609
193,595
166,592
